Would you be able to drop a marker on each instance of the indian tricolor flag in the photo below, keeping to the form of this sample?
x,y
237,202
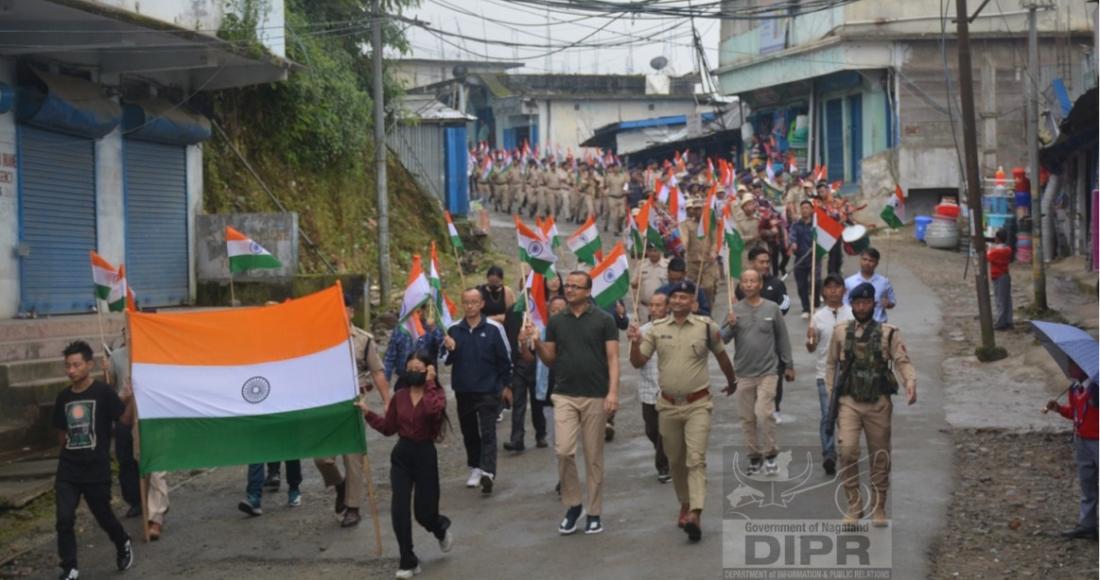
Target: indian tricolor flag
x,y
245,254
104,275
534,248
120,297
245,385
894,211
611,277
452,231
585,242
445,310
733,245
827,231
417,291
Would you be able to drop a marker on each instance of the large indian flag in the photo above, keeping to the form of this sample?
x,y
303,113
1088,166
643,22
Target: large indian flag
x,y
245,254
827,231
611,277
104,275
534,248
245,385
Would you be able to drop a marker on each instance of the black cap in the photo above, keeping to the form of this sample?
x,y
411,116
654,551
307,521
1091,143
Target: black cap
x,y
677,264
833,278
685,286
864,290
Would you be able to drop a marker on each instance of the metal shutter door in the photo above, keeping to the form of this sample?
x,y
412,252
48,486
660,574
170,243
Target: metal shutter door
x,y
834,139
156,222
57,217
458,202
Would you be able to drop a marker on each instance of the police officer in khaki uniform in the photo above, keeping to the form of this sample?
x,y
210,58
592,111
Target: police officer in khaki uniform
x,y
700,254
682,342
349,487
860,368
565,197
652,274
484,192
498,182
531,182
587,188
549,186
515,186
615,211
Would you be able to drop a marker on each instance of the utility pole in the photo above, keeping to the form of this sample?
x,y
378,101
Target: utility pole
x,y
988,349
1038,270
380,155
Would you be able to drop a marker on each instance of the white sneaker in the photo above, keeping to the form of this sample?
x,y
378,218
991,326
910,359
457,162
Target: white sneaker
x,y
805,316
770,466
475,477
778,418
447,542
408,573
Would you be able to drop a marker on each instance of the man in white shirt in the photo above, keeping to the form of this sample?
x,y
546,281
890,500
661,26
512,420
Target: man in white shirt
x,y
884,290
648,388
819,332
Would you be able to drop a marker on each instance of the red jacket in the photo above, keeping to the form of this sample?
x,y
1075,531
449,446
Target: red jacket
x,y
1083,413
999,257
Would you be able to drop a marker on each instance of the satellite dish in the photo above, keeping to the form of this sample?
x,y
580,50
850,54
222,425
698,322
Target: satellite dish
x,y
658,63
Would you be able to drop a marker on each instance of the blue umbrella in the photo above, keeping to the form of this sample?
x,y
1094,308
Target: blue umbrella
x,y
1067,343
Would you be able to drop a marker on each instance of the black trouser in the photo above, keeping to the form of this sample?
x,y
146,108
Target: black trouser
x,y
98,498
128,479
477,418
779,257
523,390
293,472
649,416
802,280
413,465
836,258
779,385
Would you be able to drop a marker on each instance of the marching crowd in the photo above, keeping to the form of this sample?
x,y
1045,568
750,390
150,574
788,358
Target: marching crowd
x,y
568,372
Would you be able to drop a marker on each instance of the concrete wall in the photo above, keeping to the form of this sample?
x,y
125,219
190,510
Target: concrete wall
x,y
571,122
206,16
276,232
9,204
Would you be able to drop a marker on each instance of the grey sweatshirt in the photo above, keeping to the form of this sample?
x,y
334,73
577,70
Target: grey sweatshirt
x,y
760,339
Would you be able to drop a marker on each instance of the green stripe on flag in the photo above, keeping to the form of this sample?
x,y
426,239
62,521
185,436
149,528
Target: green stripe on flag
x,y
614,292
188,443
253,262
890,217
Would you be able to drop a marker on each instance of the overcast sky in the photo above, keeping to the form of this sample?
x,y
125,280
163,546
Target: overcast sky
x,y
669,37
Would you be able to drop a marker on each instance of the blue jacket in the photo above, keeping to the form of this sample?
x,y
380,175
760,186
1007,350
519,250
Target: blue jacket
x,y
802,233
402,345
482,359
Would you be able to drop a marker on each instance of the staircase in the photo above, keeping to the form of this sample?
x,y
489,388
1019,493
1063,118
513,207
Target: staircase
x,y
32,372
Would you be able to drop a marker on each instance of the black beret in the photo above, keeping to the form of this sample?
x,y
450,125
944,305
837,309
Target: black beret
x,y
684,286
864,290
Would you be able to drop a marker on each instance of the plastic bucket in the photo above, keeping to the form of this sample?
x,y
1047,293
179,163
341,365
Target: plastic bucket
x,y
996,204
948,210
996,221
922,222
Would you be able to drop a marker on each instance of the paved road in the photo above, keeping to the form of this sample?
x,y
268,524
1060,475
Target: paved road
x,y
512,534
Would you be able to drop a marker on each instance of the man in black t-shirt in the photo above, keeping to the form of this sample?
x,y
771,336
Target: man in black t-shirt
x,y
85,413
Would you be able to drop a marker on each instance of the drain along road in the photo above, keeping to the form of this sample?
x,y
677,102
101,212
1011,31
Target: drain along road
x,y
512,533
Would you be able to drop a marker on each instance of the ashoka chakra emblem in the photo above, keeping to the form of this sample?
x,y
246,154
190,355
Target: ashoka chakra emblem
x,y
609,276
255,248
534,249
255,390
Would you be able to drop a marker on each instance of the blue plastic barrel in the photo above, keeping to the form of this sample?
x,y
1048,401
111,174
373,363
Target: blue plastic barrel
x,y
922,222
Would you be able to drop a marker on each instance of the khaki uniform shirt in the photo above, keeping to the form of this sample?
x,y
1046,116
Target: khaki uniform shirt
x,y
533,178
682,352
616,182
367,361
653,277
500,178
696,250
893,349
748,226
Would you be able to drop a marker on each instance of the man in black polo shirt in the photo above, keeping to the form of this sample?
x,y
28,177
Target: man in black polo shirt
x,y
582,347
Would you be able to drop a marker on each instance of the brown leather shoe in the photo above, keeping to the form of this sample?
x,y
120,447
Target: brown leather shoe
x,y
694,525
685,511
154,531
351,518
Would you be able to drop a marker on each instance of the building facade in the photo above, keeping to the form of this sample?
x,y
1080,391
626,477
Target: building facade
x,y
873,95
98,147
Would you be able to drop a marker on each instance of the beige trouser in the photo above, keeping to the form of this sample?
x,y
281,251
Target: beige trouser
x,y
755,405
353,466
873,419
547,204
156,496
586,206
583,416
616,214
685,430
483,191
565,202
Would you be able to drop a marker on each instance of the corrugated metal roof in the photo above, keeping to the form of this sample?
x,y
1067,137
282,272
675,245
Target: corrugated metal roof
x,y
427,108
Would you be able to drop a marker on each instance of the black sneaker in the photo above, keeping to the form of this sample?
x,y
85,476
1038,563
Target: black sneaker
x,y
664,476
134,511
830,466
272,482
250,509
486,483
755,465
568,524
508,446
340,496
69,574
594,525
125,557
541,443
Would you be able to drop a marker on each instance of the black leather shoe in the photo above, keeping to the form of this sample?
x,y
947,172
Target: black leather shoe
x,y
351,518
134,511
1080,533
508,446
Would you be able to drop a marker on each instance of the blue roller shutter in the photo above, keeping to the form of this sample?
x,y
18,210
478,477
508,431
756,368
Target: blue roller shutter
x,y
834,139
458,197
855,123
57,221
156,222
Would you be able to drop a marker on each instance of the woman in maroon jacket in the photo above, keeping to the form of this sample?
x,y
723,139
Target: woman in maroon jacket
x,y
417,413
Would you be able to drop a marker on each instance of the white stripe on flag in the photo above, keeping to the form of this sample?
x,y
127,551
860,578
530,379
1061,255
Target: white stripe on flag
x,y
185,391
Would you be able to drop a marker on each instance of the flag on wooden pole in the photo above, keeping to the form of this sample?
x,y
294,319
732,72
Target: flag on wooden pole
x,y
245,254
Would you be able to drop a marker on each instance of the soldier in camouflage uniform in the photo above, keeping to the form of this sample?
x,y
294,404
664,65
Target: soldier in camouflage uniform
x,y
860,368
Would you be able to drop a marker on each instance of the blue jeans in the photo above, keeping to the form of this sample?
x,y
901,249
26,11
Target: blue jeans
x,y
1085,451
828,442
255,487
